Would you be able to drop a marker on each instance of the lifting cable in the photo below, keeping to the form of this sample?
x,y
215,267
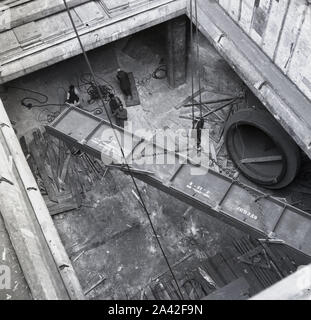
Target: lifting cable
x,y
198,58
191,64
196,124
121,149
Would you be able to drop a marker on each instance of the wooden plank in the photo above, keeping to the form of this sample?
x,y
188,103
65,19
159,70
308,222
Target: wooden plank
x,y
52,158
173,291
205,286
210,269
78,179
222,268
291,288
74,187
42,171
247,272
34,228
28,156
278,257
230,263
61,208
61,156
236,290
148,293
260,274
36,261
24,146
230,256
136,100
64,169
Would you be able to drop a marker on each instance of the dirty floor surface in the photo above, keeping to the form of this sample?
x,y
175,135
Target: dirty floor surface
x,y
109,239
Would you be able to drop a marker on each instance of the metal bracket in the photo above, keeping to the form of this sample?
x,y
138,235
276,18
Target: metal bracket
x,y
130,169
257,257
272,240
264,196
220,37
262,84
2,179
32,189
2,125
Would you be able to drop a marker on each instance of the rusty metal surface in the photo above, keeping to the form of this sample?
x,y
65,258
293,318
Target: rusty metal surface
x,y
226,199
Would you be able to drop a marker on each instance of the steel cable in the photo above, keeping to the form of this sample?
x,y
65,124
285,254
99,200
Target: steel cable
x,y
121,149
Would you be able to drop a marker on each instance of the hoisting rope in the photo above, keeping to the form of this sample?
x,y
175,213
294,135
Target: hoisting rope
x,y
198,59
122,151
191,64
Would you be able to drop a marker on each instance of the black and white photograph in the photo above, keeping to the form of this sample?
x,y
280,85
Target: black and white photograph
x,y
155,155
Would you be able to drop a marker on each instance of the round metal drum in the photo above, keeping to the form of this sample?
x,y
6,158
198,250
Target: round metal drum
x,y
261,149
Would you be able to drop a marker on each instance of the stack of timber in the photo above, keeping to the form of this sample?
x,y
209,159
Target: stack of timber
x,y
64,175
238,272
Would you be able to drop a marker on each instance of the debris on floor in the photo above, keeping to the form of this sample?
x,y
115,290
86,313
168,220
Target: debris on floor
x,y
247,264
64,175
104,230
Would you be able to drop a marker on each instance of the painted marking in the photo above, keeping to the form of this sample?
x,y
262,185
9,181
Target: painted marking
x,y
247,213
199,189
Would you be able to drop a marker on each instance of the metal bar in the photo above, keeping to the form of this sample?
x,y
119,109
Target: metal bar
x,y
94,286
226,194
89,136
209,102
262,159
274,260
198,54
219,108
191,65
138,171
125,169
258,271
62,115
208,109
176,172
281,216
212,111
